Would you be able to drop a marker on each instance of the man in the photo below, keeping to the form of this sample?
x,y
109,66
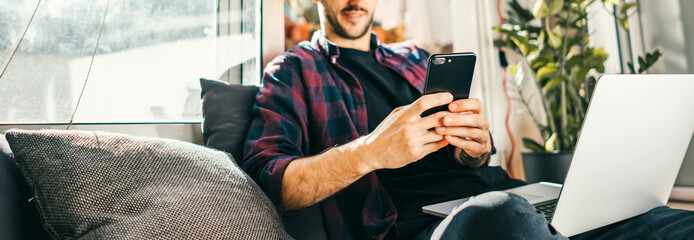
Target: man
x,y
338,124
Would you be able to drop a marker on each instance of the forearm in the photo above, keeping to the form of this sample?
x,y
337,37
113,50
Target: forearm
x,y
309,180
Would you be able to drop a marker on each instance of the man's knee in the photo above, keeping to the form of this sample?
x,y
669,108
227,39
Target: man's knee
x,y
497,208
498,215
500,203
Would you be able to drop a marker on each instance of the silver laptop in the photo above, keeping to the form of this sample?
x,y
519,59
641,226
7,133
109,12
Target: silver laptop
x,y
684,185
635,135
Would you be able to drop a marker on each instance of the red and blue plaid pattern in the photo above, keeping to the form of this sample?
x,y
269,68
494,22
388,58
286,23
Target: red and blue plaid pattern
x,y
305,107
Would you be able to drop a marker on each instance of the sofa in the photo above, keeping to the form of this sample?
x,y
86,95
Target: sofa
x,y
94,185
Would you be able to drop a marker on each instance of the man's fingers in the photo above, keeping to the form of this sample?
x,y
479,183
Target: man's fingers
x,y
433,120
416,138
432,136
465,120
473,105
474,134
435,146
429,101
474,149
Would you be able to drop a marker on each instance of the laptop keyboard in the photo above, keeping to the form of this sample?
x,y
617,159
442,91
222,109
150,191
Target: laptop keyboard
x,y
547,209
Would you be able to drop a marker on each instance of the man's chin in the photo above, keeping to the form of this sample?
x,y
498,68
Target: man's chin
x,y
348,30
354,33
354,36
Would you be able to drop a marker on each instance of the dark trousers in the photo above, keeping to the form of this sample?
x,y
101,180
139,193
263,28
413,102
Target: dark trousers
x,y
499,215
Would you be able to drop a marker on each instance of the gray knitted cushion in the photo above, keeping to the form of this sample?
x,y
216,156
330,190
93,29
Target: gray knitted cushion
x,y
99,185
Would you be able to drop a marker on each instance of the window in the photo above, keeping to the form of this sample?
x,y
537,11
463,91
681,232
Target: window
x,y
146,69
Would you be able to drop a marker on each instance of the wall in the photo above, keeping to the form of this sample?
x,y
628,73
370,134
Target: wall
x,y
669,25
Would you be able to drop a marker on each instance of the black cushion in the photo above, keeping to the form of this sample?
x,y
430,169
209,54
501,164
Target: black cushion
x,y
95,185
227,111
18,219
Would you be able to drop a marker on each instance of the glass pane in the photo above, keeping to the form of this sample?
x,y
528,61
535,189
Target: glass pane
x,y
239,41
146,69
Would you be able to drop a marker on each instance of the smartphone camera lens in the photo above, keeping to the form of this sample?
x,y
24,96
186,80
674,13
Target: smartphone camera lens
x,y
439,61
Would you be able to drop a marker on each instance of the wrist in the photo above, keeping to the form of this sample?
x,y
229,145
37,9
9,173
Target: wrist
x,y
465,159
358,154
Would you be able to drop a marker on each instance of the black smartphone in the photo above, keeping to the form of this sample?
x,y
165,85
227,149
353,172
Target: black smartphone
x,y
449,72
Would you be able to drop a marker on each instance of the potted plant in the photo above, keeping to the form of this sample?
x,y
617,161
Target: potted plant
x,y
554,40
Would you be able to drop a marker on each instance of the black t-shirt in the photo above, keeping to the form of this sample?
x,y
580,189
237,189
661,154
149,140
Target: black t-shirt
x,y
435,178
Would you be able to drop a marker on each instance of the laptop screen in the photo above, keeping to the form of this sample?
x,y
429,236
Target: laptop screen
x,y
686,176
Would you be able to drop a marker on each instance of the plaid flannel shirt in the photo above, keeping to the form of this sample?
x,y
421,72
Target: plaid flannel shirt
x,y
305,107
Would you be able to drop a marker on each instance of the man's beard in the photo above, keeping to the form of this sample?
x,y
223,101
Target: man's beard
x,y
340,31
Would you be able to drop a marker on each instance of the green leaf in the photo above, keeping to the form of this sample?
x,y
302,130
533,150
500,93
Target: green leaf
x,y
597,58
554,36
545,57
651,58
552,83
542,36
533,145
547,70
579,73
540,9
504,28
549,144
642,65
626,7
574,48
538,63
613,2
523,14
624,22
555,6
523,45
656,54
575,61
631,68
505,43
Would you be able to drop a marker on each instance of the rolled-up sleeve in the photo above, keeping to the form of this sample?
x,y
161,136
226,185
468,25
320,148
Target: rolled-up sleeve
x,y
278,133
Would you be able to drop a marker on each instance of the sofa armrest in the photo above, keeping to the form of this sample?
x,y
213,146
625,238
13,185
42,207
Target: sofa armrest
x,y
18,218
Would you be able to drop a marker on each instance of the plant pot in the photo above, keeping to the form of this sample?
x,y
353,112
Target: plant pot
x,y
547,167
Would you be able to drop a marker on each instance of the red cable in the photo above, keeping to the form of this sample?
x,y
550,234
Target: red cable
x,y
509,160
508,127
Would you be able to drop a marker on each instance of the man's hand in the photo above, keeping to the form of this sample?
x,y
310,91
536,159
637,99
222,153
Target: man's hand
x,y
466,128
403,136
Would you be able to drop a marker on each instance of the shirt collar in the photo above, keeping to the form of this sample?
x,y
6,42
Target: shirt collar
x,y
332,51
